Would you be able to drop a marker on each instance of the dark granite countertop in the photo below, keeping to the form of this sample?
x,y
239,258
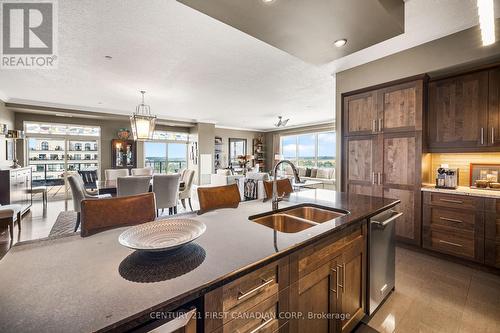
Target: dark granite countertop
x,y
88,284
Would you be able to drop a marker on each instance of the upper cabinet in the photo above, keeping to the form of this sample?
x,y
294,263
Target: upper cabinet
x,y
397,108
493,131
458,113
360,113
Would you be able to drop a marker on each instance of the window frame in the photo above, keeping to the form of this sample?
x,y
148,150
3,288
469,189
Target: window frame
x,y
316,145
166,142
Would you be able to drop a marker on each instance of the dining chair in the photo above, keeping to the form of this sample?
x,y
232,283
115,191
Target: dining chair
x,y
147,171
165,188
132,185
113,174
89,178
283,187
185,192
9,214
216,197
101,215
79,194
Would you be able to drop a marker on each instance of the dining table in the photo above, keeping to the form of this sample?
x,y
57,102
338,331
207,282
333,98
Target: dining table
x,y
110,186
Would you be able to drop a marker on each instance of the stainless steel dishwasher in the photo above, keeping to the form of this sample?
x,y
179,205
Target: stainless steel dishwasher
x,y
382,252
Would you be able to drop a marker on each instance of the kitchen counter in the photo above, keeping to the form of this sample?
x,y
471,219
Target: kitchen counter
x,y
464,190
94,283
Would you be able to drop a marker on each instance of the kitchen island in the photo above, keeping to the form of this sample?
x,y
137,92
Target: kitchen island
x,y
95,284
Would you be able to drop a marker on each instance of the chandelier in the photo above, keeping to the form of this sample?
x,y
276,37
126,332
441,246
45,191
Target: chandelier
x,y
142,121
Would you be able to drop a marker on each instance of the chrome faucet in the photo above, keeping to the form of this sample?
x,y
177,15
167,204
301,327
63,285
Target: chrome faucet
x,y
276,198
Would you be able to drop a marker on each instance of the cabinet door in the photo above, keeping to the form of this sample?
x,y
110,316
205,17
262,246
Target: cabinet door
x,y
352,277
314,297
401,107
362,162
492,232
493,132
401,180
360,113
458,111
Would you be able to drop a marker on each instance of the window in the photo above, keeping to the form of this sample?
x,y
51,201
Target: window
x,y
87,146
237,147
167,153
61,129
44,145
310,150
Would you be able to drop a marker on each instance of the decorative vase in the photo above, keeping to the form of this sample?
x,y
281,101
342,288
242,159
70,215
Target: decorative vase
x,y
123,134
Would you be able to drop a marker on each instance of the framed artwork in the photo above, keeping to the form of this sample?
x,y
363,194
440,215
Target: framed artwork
x,y
9,150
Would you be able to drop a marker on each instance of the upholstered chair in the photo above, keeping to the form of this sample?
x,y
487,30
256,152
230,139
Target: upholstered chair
x,y
79,193
283,187
9,214
147,171
165,188
132,185
185,193
113,174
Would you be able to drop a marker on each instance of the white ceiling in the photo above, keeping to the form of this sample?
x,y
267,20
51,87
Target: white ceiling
x,y
196,68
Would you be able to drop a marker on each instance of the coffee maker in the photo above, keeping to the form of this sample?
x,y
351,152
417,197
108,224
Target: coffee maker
x,y
447,177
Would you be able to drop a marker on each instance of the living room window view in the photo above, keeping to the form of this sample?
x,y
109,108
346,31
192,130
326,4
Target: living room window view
x,y
250,166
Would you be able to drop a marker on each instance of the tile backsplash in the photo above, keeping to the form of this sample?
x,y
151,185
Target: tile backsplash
x,y
457,160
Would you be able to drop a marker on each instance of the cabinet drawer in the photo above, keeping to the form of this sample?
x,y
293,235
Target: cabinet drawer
x,y
460,245
452,218
454,201
244,293
262,318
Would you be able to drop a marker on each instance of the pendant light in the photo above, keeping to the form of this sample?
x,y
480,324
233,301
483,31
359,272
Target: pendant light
x,y
143,122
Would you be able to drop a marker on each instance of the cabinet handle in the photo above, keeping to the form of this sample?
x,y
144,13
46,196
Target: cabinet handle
x,y
451,220
452,201
493,135
265,283
482,135
380,124
261,326
374,126
373,178
450,243
343,276
379,177
336,290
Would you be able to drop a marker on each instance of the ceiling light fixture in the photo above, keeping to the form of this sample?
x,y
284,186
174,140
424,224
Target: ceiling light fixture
x,y
340,42
281,122
108,57
486,15
142,121
267,1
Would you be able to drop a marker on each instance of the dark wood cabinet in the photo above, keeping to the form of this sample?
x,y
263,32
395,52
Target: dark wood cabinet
x,y
123,154
361,113
362,160
454,225
15,187
493,131
492,232
458,113
387,160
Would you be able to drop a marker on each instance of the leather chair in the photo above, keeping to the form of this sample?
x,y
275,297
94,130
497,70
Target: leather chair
x,y
126,186
283,186
212,198
113,174
165,188
105,214
147,171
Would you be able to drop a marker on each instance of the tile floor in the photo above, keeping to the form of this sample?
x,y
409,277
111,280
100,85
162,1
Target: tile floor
x,y
435,295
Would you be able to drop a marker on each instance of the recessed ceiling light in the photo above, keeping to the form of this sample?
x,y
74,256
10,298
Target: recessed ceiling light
x,y
108,57
267,1
340,42
486,21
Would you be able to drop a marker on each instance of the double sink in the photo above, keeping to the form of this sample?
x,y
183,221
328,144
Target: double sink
x,y
295,219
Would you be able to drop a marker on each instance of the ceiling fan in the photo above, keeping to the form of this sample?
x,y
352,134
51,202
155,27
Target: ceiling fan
x,y
281,122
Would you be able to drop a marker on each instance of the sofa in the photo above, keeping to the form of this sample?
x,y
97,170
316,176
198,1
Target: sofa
x,y
223,177
325,175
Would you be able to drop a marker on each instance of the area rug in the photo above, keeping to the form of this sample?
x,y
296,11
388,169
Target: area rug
x,y
65,222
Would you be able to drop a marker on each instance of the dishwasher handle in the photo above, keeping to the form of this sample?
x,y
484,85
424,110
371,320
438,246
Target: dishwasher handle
x,y
393,217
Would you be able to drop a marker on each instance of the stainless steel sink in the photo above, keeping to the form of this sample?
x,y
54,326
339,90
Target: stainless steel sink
x,y
314,214
296,219
284,223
